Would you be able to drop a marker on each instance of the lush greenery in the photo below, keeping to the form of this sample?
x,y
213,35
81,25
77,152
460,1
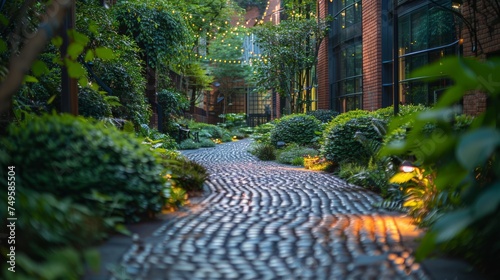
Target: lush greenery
x,y
297,128
457,174
290,52
294,154
323,115
72,158
264,151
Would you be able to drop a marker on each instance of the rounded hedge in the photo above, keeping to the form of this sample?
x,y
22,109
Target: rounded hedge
x,y
323,115
71,157
296,128
340,145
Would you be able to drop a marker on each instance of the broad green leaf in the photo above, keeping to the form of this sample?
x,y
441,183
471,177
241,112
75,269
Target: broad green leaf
x,y
475,147
451,224
39,68
3,20
75,70
104,53
402,177
74,50
78,37
450,97
94,27
89,56
3,46
444,114
93,259
427,245
51,99
83,81
57,41
30,79
488,201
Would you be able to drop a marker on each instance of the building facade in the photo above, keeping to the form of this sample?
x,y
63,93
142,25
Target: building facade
x,y
356,68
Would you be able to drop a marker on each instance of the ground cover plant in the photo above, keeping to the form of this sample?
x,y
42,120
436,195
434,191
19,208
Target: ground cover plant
x,y
457,169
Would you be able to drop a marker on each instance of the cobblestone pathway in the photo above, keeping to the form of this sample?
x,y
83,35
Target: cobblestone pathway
x,y
264,220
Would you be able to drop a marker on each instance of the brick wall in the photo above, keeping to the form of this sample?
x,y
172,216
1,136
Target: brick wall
x,y
487,44
322,66
372,54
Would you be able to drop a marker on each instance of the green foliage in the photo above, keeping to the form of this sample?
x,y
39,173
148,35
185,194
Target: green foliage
x,y
340,143
172,104
465,160
233,120
323,115
293,152
298,128
188,144
70,157
93,104
187,174
210,130
207,143
227,69
262,133
289,49
263,151
226,137
158,141
158,31
56,227
129,87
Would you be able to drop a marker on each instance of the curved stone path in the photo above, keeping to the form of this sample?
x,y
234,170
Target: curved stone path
x,y
264,220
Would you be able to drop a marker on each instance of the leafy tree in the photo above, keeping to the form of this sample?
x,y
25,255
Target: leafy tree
x,y
159,32
226,64
208,20
290,50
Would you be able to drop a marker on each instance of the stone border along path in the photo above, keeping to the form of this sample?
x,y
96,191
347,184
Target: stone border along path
x,y
264,220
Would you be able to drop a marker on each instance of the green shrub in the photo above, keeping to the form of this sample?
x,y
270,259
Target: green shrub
x,y
187,174
299,161
71,157
341,145
292,152
226,137
207,143
93,104
456,191
296,128
233,120
56,227
323,115
262,133
156,139
263,151
172,105
210,130
129,88
189,144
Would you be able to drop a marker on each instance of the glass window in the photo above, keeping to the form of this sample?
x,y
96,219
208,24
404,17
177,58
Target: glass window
x,y
348,54
425,36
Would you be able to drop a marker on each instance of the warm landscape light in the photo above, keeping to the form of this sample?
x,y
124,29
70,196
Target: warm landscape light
x,y
407,167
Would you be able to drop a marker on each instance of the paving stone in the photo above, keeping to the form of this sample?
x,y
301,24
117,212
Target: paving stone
x,y
264,220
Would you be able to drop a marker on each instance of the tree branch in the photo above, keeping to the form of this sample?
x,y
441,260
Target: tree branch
x,y
21,64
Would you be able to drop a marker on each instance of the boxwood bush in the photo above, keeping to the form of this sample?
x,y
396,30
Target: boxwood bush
x,y
292,153
297,128
71,157
341,145
323,115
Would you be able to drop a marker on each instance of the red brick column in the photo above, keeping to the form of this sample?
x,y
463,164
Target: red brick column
x,y
372,54
488,43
